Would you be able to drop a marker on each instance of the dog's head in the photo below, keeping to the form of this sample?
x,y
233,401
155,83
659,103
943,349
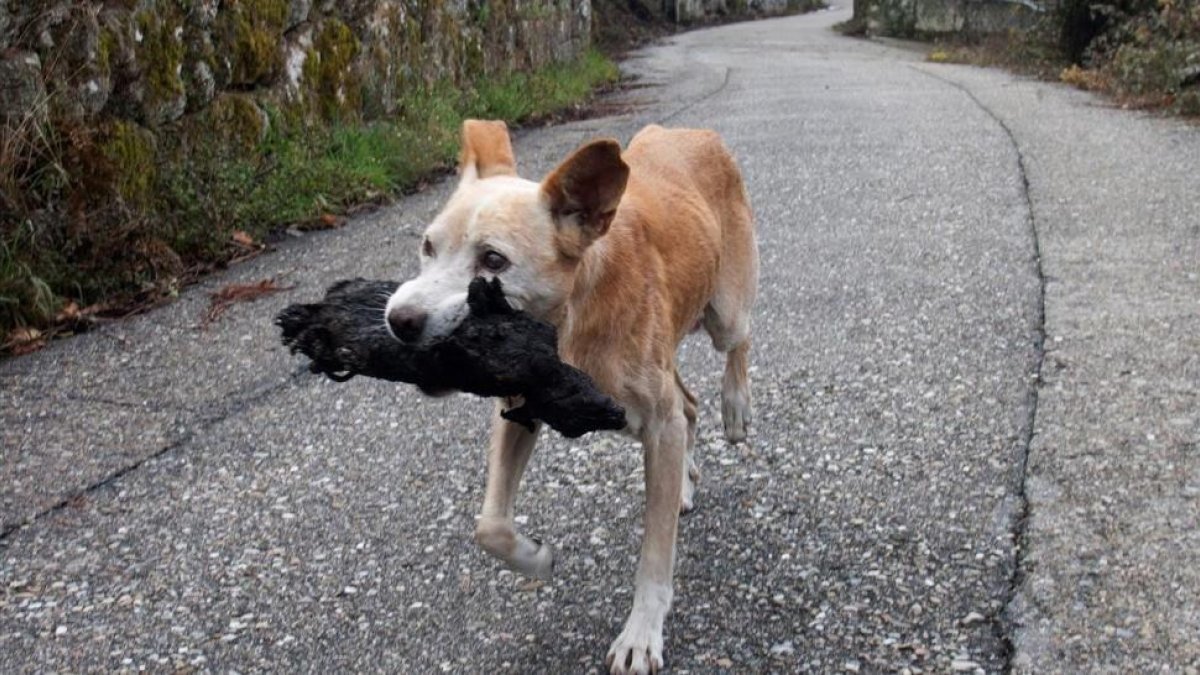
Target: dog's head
x,y
531,235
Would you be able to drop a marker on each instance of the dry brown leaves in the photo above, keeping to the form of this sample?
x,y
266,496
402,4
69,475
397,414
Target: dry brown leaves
x,y
69,320
1088,80
244,240
221,300
325,221
244,247
24,340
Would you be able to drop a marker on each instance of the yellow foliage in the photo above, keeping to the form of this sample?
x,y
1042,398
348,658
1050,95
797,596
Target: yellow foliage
x,y
1090,80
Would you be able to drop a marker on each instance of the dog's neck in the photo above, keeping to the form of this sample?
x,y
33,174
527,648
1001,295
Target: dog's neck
x,y
609,309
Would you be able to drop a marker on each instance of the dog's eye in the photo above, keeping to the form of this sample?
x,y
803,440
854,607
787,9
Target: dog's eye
x,y
427,248
493,262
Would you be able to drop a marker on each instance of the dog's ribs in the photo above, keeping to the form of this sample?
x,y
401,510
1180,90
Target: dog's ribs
x,y
495,351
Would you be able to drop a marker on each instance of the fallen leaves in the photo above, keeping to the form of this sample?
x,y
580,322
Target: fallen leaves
x,y
25,340
244,240
68,320
244,246
325,221
1089,80
938,56
531,585
227,296
69,313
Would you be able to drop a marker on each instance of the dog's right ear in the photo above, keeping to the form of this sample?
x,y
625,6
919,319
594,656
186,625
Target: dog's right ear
x,y
486,150
583,193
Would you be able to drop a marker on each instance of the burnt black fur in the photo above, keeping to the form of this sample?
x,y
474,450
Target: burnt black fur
x,y
495,351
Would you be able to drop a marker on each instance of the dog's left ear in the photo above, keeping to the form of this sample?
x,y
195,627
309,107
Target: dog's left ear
x,y
583,193
486,150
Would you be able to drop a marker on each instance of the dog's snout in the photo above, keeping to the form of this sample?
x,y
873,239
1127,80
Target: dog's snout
x,y
407,322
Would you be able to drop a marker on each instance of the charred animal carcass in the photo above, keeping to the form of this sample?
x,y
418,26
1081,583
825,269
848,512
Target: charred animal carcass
x,y
495,351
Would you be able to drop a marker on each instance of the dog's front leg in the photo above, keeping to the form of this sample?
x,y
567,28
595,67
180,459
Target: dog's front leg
x,y
508,453
639,647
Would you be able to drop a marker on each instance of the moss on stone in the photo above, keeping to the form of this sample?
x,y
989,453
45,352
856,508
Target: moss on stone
x,y
329,73
129,155
535,11
474,59
412,51
236,122
105,48
249,34
161,54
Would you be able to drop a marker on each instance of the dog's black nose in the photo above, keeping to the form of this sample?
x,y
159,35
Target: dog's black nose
x,y
407,323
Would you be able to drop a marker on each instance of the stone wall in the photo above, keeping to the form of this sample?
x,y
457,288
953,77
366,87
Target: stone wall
x,y
910,18
152,62
685,11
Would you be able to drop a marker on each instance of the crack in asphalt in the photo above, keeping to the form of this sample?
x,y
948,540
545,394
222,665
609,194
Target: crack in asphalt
x,y
700,99
250,401
93,487
144,406
1003,625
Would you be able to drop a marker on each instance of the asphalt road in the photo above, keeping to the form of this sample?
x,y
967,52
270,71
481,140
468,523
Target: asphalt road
x,y
975,373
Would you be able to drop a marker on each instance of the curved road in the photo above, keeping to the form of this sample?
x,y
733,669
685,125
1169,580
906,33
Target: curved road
x,y
975,374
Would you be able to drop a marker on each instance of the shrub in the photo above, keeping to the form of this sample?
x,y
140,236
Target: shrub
x,y
1153,52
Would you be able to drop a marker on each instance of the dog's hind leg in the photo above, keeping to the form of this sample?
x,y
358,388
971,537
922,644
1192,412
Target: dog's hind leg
x,y
727,315
691,471
736,408
509,452
729,327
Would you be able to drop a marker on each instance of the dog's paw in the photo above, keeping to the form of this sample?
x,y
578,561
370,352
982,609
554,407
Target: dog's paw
x,y
735,413
687,496
637,650
522,554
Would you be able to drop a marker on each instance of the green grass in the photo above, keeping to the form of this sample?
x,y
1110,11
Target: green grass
x,y
523,95
25,299
298,173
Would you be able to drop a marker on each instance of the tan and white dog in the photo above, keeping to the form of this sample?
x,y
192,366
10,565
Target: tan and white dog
x,y
624,253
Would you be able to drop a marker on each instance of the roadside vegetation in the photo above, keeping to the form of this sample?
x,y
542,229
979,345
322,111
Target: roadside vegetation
x,y
104,222
1142,53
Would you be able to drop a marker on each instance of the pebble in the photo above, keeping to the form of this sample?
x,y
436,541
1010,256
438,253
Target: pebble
x,y
963,666
972,619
